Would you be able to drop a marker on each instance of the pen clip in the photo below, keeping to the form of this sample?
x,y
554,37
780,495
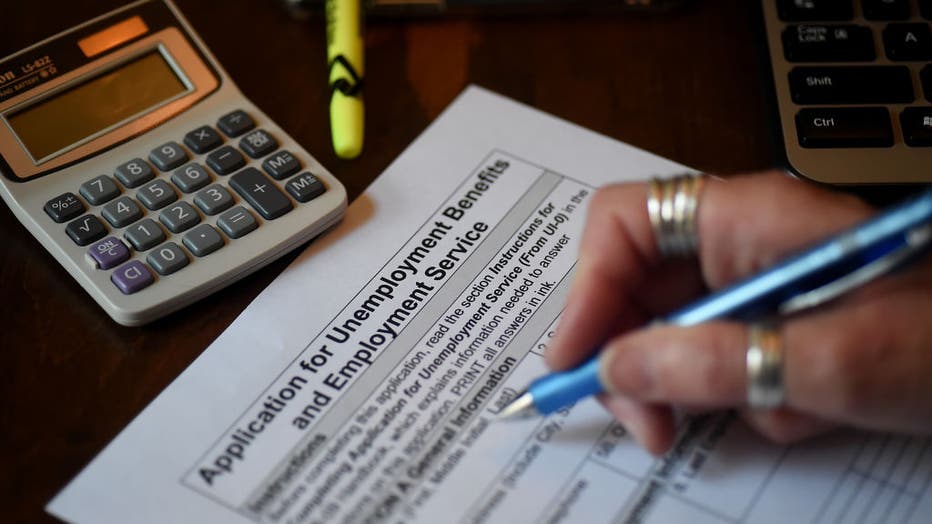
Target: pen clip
x,y
916,239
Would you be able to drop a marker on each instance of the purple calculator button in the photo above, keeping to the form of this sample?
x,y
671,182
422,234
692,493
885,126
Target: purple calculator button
x,y
131,277
108,252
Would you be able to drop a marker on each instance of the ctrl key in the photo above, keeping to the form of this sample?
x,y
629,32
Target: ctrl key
x,y
844,127
131,277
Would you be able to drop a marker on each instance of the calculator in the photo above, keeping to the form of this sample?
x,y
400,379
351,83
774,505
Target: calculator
x,y
134,159
852,82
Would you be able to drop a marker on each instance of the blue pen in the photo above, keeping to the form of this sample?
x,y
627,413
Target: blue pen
x,y
837,265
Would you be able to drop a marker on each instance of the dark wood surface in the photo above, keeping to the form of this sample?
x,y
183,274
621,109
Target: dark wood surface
x,y
684,85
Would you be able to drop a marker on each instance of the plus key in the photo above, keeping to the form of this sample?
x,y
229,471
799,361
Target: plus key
x,y
261,193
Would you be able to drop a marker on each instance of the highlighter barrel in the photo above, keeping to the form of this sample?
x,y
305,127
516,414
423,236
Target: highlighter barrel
x,y
346,73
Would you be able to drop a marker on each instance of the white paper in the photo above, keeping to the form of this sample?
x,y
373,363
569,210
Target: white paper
x,y
361,385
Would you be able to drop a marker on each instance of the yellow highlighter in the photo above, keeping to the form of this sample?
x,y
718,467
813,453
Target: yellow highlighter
x,y
345,59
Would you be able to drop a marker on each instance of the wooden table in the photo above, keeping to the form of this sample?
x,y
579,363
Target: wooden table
x,y
684,85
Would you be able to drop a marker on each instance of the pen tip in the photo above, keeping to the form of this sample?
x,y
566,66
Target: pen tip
x,y
521,407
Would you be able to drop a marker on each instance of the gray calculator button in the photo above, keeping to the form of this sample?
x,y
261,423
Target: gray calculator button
x,y
203,240
258,143
190,177
305,187
281,165
237,222
235,123
261,193
99,190
213,199
225,160
202,139
168,156
64,207
134,172
179,217
144,235
167,258
156,195
86,229
121,212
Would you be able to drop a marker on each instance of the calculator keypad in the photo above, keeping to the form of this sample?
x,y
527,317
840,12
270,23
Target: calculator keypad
x,y
99,190
134,173
168,156
180,199
225,160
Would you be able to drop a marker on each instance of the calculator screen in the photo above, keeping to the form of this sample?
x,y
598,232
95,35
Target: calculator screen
x,y
81,111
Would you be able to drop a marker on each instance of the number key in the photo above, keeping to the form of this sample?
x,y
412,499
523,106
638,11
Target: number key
x,y
99,190
168,156
167,258
179,217
213,199
144,235
156,195
190,177
134,172
121,212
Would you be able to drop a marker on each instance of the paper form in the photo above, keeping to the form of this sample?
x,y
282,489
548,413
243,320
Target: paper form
x,y
361,386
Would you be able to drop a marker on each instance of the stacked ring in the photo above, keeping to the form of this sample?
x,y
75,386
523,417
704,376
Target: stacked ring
x,y
672,205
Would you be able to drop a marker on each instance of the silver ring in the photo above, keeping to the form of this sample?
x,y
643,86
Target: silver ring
x,y
672,206
764,361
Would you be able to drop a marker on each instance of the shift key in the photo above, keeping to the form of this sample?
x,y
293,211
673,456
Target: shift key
x,y
261,193
844,127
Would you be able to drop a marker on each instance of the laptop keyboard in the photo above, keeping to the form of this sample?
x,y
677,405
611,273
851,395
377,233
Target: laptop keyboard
x,y
853,83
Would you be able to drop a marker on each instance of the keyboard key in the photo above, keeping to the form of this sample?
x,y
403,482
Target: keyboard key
x,y
281,165
144,234
179,217
225,160
203,240
814,10
168,156
132,277
824,43
202,139
908,41
236,123
109,253
213,199
121,212
844,127
926,76
851,85
237,222
885,9
917,126
85,230
156,195
64,207
167,258
305,187
258,143
191,177
99,190
261,193
134,172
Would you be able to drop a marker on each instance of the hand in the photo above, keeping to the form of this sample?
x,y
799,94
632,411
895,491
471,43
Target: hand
x,y
863,360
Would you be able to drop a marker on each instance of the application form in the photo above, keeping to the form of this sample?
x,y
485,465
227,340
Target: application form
x,y
363,384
